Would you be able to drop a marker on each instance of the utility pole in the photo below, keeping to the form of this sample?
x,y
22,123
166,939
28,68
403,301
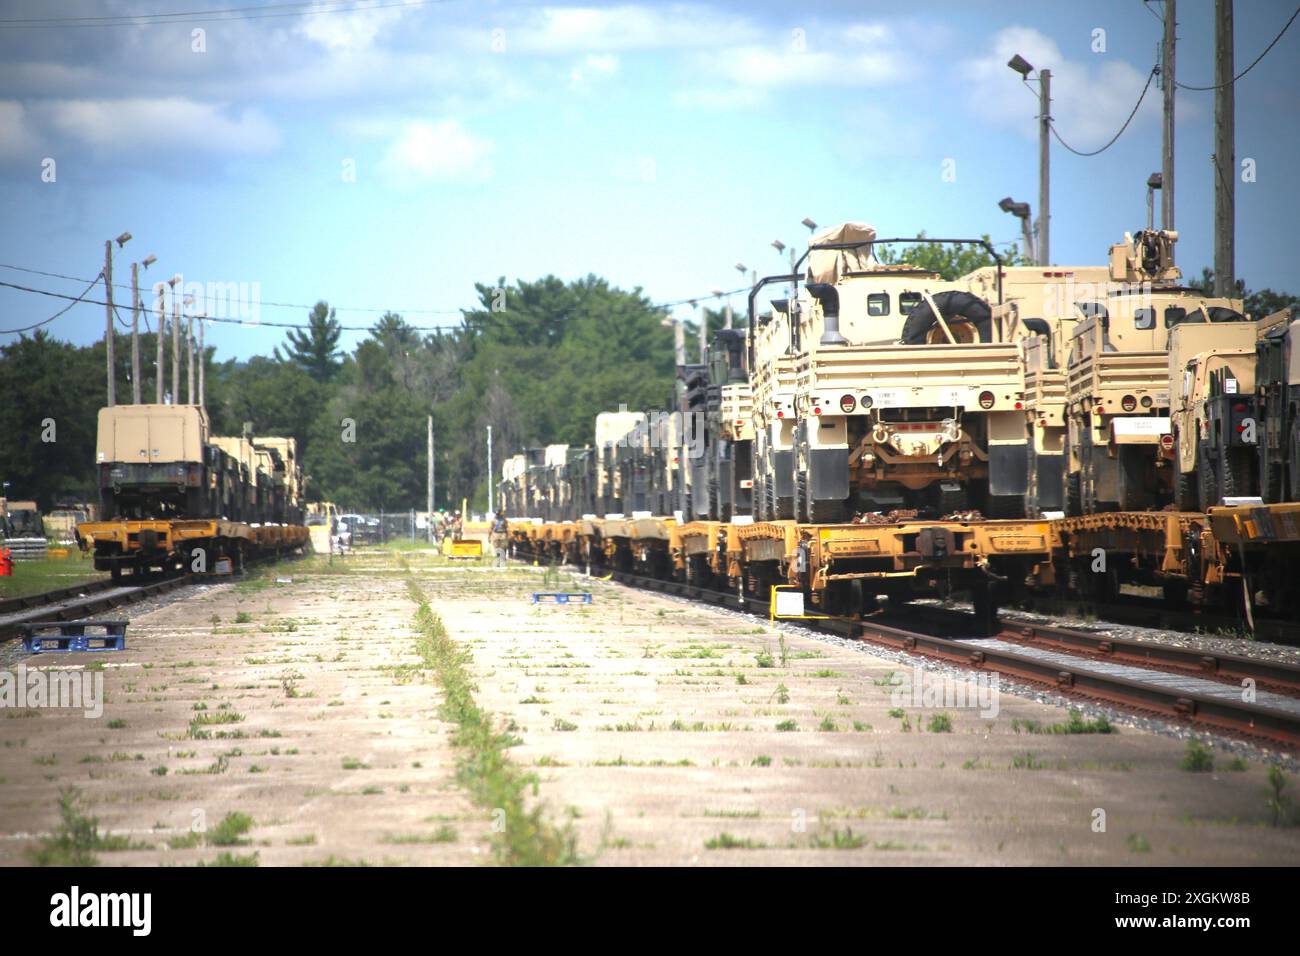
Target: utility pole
x,y
135,333
189,353
161,371
704,334
202,316
176,341
1225,155
491,511
679,342
1167,78
109,345
1044,166
429,475
726,321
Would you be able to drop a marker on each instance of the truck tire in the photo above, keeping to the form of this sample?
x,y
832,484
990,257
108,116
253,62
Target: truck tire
x,y
1238,476
1207,480
951,305
1073,495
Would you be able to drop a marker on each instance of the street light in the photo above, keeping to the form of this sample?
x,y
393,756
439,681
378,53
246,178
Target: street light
x,y
123,239
1024,68
812,226
1021,211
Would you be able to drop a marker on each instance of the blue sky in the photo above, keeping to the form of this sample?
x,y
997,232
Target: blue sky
x,y
653,144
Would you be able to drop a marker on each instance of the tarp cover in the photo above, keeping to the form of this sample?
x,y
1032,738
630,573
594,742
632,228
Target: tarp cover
x,y
828,265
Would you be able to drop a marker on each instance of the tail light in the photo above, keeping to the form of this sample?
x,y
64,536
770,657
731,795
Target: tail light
x,y
1146,401
986,400
192,476
1128,403
848,403
104,474
817,410
1239,408
1167,442
866,402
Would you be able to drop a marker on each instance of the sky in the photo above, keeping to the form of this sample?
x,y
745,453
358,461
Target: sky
x,y
387,155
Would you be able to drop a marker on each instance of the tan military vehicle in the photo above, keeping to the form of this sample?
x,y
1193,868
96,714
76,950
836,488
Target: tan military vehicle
x,y
908,393
1117,383
1040,317
1212,410
772,380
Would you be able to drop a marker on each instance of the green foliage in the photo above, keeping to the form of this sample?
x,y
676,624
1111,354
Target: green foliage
x,y
1257,304
315,350
536,360
948,260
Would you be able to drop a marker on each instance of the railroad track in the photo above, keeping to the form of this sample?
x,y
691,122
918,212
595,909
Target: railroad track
x,y
1197,689
70,604
1143,612
95,597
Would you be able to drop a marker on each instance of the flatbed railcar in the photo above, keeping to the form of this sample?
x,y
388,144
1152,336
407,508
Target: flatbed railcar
x,y
138,548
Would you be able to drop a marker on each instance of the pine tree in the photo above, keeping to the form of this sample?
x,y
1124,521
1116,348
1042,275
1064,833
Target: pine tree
x,y
315,350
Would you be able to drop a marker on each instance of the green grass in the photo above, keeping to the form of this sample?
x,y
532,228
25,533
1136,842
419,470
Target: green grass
x,y
48,574
844,839
524,837
77,837
725,841
1075,725
230,831
1196,759
939,724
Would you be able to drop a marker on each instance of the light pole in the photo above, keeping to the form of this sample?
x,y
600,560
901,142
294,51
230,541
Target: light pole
x,y
779,246
189,353
135,324
1023,67
176,337
679,338
726,308
110,346
1021,211
491,512
201,316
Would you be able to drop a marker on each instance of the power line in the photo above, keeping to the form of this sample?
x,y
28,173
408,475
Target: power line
x,y
273,305
80,298
268,11
1052,125
1204,89
295,325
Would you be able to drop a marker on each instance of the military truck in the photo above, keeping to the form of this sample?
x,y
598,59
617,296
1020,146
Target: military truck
x,y
612,429
1212,410
1040,317
772,380
1121,448
906,390
729,429
1277,391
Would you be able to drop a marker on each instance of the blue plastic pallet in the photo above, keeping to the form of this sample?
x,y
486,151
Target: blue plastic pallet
x,y
54,637
562,597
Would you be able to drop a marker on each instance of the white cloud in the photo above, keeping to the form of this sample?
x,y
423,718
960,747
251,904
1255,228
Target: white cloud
x,y
592,66
17,138
1090,98
626,27
441,150
172,123
342,33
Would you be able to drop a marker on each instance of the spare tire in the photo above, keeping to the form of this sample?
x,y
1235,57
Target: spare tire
x,y
951,305
1219,314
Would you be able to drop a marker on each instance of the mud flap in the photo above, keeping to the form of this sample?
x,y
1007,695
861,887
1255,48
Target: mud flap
x,y
1009,469
1051,481
828,476
782,476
